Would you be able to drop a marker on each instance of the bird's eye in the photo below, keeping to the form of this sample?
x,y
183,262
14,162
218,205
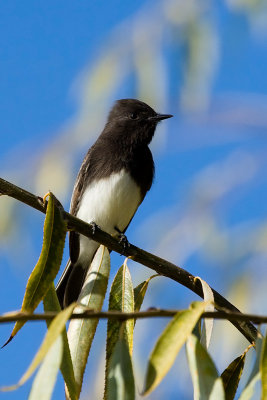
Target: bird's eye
x,y
133,115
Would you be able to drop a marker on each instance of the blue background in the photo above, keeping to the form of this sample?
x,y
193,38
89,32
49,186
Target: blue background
x,y
62,65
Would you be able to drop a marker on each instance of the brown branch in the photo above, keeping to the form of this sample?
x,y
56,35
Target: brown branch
x,y
158,264
153,313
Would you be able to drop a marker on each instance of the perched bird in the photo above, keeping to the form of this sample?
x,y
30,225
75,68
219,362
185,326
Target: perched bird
x,y
113,180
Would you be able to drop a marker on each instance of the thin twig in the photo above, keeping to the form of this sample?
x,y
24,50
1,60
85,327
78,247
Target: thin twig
x,y
158,264
153,313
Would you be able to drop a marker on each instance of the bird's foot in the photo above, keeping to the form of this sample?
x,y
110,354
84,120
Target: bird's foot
x,y
94,227
122,239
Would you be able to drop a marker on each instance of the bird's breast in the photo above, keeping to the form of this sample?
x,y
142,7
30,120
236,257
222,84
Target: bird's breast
x,y
110,202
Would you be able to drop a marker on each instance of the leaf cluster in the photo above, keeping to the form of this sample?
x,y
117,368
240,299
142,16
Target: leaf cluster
x,y
69,351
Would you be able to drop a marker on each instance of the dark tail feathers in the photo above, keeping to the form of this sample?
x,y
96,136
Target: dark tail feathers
x,y
70,284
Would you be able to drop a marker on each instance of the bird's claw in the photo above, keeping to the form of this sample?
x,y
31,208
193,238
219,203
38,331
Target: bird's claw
x,y
94,227
124,241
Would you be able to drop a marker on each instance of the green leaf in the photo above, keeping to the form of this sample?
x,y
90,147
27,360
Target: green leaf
x,y
121,298
55,329
255,374
231,376
208,322
44,382
51,303
207,384
170,343
197,331
48,265
140,291
81,331
120,385
263,369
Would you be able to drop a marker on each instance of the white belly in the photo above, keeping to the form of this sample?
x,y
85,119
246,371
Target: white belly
x,y
110,202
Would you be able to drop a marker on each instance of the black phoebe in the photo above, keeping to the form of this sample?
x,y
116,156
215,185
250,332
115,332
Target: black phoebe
x,y
113,180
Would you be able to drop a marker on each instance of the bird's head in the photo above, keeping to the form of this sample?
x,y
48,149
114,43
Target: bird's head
x,y
134,120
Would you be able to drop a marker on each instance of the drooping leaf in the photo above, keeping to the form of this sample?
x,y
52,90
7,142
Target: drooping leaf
x,y
231,376
169,344
207,384
81,331
263,369
51,303
120,385
254,377
44,382
208,322
197,331
121,298
140,291
48,265
55,329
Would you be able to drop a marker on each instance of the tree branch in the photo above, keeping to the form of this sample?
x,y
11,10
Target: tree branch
x,y
151,313
158,264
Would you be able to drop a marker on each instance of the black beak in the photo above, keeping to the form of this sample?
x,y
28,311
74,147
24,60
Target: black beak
x,y
160,117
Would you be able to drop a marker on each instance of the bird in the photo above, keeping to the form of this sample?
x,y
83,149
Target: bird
x,y
116,174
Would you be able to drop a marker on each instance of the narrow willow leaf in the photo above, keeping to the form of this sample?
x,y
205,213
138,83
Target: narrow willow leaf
x,y
208,322
207,384
197,329
120,385
121,298
55,329
140,291
81,331
254,377
51,303
263,369
231,376
48,265
170,343
44,382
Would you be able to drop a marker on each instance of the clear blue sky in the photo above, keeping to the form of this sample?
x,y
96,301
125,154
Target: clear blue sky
x,y
212,165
